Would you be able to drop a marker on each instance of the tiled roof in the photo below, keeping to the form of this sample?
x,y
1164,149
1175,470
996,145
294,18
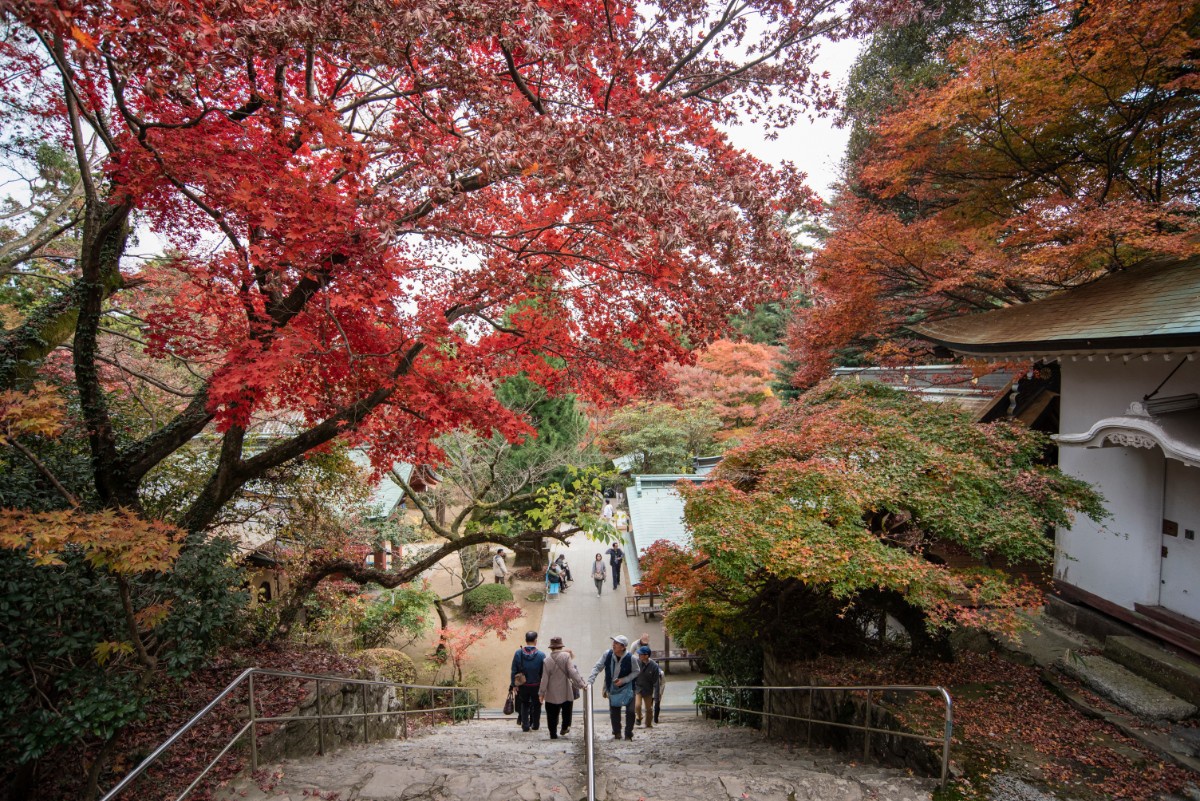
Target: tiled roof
x,y
938,383
656,512
1153,305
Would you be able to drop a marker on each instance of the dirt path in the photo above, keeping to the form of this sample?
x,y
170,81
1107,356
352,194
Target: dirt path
x,y
487,662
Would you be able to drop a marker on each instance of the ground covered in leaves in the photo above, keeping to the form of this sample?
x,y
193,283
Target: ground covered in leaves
x,y
175,702
1006,719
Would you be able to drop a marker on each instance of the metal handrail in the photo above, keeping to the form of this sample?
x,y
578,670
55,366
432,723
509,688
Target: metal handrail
x,y
589,740
247,676
765,715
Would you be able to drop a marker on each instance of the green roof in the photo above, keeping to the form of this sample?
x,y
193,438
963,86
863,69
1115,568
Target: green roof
x,y
656,513
1153,305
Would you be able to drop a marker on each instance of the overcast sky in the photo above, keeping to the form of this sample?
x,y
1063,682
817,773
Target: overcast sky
x,y
815,147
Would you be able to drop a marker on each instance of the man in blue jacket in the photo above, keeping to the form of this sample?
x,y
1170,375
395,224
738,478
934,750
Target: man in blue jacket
x,y
620,671
527,663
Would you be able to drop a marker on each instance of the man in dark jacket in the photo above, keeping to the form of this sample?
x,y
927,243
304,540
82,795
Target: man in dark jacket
x,y
647,687
616,558
620,671
527,661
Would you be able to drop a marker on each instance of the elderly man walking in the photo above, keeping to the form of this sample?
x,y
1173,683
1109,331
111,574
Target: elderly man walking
x,y
648,686
620,672
499,567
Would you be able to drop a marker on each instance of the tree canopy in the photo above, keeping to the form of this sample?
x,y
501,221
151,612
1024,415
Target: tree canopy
x,y
734,380
1018,158
375,213
849,502
661,437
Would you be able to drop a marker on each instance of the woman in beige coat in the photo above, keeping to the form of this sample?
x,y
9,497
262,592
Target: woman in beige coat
x,y
560,680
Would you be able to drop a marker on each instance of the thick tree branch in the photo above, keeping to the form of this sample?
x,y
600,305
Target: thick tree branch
x,y
46,472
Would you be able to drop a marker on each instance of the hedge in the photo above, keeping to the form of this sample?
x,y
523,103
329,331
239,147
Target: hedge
x,y
485,595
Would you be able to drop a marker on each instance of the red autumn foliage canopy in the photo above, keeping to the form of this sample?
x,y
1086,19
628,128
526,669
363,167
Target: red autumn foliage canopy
x,y
377,209
1038,162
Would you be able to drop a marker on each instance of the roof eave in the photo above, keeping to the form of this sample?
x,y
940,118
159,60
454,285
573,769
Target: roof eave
x,y
1029,348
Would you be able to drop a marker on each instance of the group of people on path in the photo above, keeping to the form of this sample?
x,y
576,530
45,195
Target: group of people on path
x,y
632,685
559,574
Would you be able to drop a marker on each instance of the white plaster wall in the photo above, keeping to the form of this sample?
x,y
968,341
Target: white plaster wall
x,y
1119,558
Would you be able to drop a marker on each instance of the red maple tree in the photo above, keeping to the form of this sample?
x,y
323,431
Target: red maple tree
x,y
375,212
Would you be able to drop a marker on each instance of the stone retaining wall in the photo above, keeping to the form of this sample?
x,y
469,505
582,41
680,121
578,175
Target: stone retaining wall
x,y
845,707
299,739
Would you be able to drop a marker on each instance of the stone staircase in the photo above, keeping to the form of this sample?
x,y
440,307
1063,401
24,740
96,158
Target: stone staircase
x,y
1157,687
681,758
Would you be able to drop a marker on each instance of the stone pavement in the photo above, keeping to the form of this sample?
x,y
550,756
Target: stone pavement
x,y
586,621
493,760
688,758
681,759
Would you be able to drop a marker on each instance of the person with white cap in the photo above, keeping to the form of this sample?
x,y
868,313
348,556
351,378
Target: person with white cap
x,y
620,671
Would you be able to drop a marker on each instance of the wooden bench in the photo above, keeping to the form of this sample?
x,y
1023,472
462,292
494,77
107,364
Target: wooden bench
x,y
645,605
665,658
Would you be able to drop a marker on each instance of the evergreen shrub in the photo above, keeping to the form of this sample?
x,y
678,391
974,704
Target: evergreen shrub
x,y
485,595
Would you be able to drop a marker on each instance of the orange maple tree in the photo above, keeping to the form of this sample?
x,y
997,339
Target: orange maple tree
x,y
1038,161
846,503
733,377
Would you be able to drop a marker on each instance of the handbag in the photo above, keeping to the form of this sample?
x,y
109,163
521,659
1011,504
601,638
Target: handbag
x,y
509,704
518,679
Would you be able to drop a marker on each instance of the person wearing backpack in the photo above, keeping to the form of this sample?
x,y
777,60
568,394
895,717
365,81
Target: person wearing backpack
x,y
526,676
620,672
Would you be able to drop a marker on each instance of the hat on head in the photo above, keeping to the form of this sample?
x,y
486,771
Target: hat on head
x,y
556,642
621,638
531,636
645,649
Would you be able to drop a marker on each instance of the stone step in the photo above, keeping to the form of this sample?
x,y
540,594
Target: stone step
x,y
1173,673
1125,688
684,758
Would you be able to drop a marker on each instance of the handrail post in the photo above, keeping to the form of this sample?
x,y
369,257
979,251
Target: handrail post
x,y
867,728
948,735
320,723
253,729
404,709
766,712
812,713
589,703
364,695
